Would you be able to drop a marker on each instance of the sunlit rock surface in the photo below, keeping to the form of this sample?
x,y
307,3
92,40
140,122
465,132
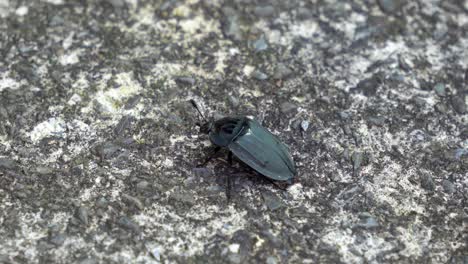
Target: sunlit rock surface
x,y
98,145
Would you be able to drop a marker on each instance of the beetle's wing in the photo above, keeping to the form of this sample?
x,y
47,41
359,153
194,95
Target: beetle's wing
x,y
264,152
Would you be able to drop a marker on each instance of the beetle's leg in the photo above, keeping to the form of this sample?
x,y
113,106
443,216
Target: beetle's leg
x,y
216,149
228,179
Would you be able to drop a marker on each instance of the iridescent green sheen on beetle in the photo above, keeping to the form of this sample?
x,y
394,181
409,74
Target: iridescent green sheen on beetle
x,y
253,144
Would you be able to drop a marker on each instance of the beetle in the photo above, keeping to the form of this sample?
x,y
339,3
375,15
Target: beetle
x,y
251,143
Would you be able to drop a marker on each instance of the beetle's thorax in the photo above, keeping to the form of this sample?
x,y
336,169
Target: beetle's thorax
x,y
226,130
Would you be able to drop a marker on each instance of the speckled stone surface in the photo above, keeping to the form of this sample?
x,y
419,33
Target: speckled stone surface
x,y
98,144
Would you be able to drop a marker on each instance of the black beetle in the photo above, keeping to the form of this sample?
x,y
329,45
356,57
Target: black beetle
x,y
251,143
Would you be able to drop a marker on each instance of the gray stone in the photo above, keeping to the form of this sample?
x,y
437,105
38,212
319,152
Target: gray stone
x,y
123,124
142,185
389,6
88,260
458,104
6,163
282,71
440,89
376,121
83,215
264,11
448,186
357,158
42,170
272,201
185,80
427,182
128,224
287,107
132,201
260,44
57,239
271,260
259,75
102,202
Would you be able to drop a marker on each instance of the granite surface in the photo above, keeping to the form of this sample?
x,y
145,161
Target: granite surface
x,y
98,144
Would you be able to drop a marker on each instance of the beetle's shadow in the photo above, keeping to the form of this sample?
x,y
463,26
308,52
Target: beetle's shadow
x,y
241,174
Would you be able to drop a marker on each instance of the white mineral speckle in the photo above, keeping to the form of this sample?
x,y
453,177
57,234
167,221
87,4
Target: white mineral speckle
x,y
7,82
69,58
22,11
234,248
51,127
111,100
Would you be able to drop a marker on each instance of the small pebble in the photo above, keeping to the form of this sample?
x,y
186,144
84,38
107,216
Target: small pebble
x,y
272,201
282,71
130,200
304,125
259,75
389,6
185,80
83,215
142,185
458,104
287,107
264,11
439,89
427,182
57,240
260,44
448,186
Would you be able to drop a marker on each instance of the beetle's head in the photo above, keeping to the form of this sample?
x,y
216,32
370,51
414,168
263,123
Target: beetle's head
x,y
206,126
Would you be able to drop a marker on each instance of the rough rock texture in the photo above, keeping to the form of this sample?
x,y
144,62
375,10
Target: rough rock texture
x,y
98,144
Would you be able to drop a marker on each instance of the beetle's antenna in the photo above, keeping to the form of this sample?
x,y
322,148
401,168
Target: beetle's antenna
x,y
198,109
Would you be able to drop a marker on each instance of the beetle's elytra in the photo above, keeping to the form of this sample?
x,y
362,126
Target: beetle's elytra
x,y
251,143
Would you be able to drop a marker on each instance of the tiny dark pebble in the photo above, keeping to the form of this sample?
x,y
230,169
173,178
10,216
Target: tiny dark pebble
x,y
185,80
368,86
427,182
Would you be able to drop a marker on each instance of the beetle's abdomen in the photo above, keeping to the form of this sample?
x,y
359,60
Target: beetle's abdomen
x,y
264,152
